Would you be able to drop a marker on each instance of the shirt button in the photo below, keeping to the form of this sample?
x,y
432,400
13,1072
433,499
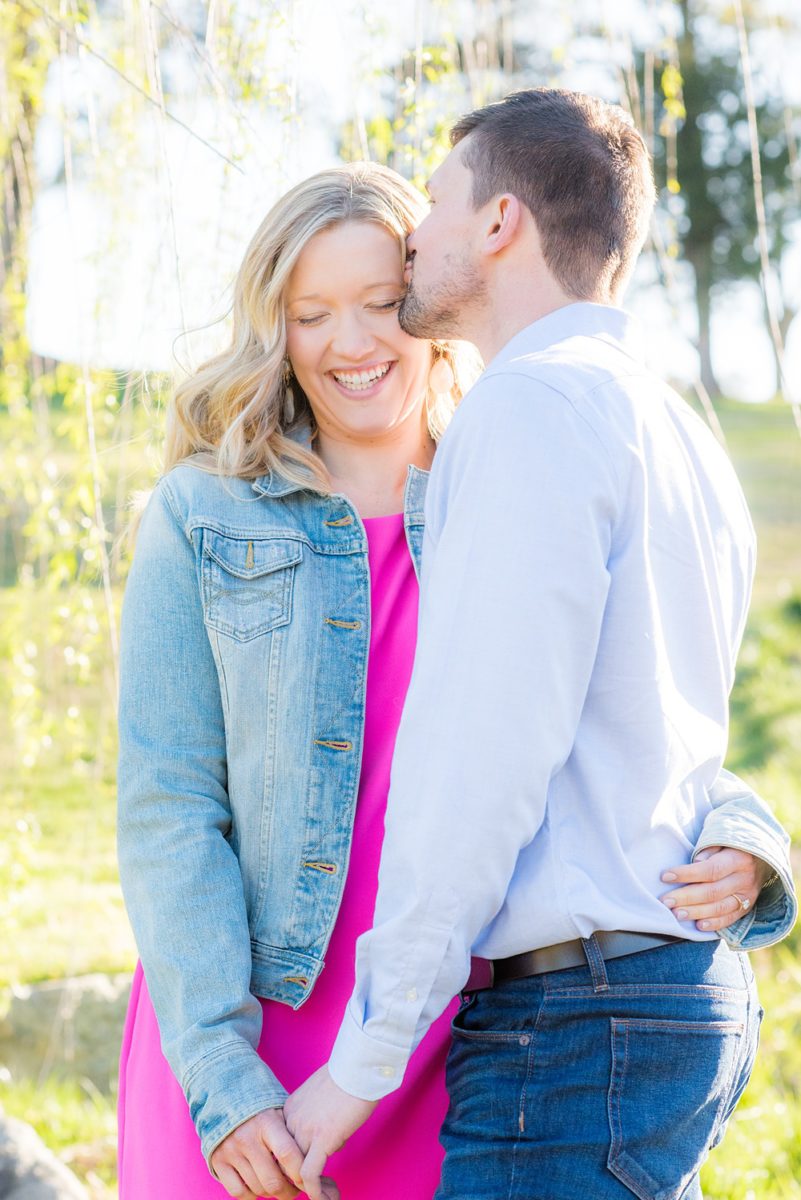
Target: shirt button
x,y
387,1072
411,994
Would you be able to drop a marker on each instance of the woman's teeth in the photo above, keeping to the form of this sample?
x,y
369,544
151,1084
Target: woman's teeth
x,y
359,381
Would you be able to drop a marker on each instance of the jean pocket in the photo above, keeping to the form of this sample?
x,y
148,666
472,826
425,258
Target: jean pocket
x,y
247,583
671,1081
477,1021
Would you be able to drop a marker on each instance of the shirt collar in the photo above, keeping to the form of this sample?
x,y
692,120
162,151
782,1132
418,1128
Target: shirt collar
x,y
582,319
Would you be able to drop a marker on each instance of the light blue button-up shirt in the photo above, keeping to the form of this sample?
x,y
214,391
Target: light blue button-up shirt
x,y
587,567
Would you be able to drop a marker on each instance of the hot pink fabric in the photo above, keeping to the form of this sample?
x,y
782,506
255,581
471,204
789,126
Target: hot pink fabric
x,y
396,1155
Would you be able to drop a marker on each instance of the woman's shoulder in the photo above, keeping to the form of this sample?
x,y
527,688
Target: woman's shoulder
x,y
199,496
193,490
197,481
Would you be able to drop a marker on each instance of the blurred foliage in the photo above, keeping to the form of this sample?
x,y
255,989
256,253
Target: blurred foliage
x,y
715,194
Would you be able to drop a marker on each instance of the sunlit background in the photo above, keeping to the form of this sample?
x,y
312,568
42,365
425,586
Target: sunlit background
x,y
167,130
140,145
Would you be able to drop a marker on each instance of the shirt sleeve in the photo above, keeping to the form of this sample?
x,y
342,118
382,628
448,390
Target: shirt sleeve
x,y
521,506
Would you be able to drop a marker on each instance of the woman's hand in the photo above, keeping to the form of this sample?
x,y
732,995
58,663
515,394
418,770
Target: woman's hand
x,y
259,1158
717,889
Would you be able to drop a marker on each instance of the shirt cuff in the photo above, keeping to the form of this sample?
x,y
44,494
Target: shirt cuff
x,y
362,1066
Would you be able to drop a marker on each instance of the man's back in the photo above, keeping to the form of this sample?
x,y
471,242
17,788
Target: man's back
x,y
678,553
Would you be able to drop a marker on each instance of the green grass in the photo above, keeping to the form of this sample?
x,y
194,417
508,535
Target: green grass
x,y
64,913
60,899
766,449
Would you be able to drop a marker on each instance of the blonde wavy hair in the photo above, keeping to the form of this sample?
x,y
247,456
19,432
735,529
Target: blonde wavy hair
x,y
234,415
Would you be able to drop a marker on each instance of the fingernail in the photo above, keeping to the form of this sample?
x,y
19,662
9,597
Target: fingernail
x,y
703,924
669,901
669,877
681,914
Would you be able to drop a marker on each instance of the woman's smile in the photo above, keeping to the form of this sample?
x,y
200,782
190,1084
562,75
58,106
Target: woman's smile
x,y
361,381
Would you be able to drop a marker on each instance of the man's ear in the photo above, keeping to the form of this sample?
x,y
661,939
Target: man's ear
x,y
505,219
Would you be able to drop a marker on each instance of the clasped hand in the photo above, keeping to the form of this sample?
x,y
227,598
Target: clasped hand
x,y
280,1152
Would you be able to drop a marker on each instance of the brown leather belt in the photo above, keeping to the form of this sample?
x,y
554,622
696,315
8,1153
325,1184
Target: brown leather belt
x,y
485,972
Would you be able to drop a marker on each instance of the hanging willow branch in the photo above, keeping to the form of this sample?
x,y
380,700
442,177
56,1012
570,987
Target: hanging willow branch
x,y
82,42
102,536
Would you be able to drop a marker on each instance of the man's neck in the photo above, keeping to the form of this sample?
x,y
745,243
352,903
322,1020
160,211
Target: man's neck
x,y
513,305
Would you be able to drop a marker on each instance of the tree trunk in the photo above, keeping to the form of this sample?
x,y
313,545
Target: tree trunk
x,y
704,305
700,257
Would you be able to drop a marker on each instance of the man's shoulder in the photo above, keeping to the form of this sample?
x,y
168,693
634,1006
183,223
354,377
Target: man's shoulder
x,y
575,366
525,427
572,388
603,385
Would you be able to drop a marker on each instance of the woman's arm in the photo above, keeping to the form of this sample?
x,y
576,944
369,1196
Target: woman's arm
x,y
180,876
743,851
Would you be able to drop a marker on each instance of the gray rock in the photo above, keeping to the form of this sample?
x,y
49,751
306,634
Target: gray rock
x,y
28,1170
65,1027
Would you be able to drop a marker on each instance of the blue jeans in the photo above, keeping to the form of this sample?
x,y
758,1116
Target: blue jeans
x,y
601,1081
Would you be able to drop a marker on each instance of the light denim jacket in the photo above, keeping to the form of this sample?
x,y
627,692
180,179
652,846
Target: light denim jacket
x,y
245,637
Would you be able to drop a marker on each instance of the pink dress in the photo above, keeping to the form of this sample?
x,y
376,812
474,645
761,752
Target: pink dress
x,y
396,1155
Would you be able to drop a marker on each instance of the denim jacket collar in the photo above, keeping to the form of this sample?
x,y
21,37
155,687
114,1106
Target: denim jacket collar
x,y
274,484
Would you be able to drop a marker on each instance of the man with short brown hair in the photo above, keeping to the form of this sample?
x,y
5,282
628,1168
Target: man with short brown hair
x,y
587,569
581,169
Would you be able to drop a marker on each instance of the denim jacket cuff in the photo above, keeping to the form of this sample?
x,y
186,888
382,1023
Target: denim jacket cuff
x,y
225,1089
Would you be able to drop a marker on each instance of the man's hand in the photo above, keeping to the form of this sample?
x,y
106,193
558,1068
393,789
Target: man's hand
x,y
713,886
321,1118
259,1158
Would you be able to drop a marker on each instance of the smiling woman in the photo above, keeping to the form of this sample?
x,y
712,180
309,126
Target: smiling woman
x,y
246,411
275,571
364,378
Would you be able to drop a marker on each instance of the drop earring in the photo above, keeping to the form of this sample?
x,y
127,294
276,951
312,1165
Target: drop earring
x,y
289,395
441,378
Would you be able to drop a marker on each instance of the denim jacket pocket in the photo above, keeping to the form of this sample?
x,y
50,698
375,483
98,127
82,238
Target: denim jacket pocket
x,y
247,583
663,1125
